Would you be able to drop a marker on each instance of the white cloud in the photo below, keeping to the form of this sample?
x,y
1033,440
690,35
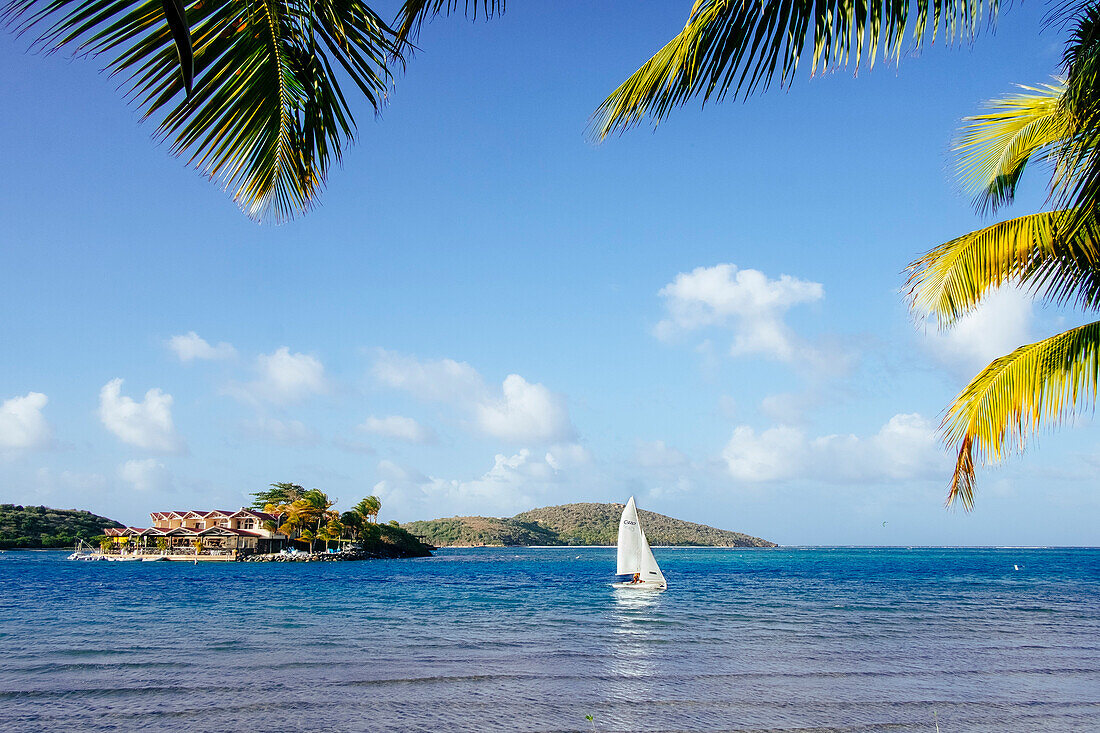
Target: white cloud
x,y
146,474
746,301
191,346
431,380
514,483
999,325
22,424
146,424
567,456
789,408
904,448
527,413
398,428
777,453
280,432
284,378
522,412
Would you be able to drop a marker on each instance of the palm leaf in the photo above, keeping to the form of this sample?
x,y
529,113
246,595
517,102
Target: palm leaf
x,y
995,147
414,13
1031,251
740,45
1079,188
1042,382
267,116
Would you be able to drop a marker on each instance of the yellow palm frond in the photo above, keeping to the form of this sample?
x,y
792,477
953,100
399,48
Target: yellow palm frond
x,y
1030,251
996,146
1043,382
741,45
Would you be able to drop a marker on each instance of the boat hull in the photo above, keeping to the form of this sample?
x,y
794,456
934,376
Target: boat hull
x,y
638,586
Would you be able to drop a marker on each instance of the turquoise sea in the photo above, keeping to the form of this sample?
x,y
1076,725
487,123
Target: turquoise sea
x,y
503,639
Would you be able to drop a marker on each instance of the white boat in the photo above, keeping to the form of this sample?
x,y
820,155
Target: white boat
x,y
633,555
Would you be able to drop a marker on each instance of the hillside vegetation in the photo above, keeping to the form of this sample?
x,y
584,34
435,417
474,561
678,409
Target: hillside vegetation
x,y
34,527
573,524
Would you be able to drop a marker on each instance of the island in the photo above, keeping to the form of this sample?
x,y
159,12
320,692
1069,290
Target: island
x,y
40,527
572,524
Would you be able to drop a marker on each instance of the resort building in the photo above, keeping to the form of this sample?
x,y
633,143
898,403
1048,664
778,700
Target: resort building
x,y
199,535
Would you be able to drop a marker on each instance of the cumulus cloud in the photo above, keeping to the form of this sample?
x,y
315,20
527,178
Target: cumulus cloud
x,y
905,447
398,428
281,432
146,424
521,412
526,413
1001,324
514,483
430,380
146,474
22,424
744,300
190,346
284,378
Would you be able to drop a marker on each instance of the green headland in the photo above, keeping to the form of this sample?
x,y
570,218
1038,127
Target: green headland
x,y
572,524
35,527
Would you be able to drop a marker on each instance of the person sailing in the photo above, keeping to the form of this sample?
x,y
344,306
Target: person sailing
x,y
636,579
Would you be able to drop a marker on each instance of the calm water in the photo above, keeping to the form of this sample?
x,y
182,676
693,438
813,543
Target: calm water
x,y
534,640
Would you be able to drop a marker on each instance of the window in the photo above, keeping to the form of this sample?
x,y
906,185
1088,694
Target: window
x,y
248,523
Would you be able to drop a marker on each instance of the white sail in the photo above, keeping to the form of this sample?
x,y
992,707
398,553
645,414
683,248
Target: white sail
x,y
633,554
629,551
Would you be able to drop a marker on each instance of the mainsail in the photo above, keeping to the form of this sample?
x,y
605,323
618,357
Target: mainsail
x,y
633,554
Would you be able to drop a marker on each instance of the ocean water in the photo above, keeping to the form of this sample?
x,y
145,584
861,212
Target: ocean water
x,y
502,639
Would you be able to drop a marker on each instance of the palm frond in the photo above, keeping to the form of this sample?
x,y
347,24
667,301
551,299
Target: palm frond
x,y
1079,189
1031,251
740,45
1044,382
995,147
267,116
414,13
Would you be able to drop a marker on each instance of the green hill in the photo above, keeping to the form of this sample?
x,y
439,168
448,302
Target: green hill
x,y
32,527
573,524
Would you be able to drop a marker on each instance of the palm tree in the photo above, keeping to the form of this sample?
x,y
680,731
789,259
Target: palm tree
x,y
369,508
316,508
353,522
738,46
1053,254
331,531
250,93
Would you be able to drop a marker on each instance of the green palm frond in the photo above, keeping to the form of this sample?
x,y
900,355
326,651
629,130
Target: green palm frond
x,y
1044,382
1079,189
267,116
740,45
1031,251
995,147
414,13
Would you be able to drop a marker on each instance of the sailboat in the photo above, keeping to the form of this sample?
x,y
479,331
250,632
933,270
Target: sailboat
x,y
634,556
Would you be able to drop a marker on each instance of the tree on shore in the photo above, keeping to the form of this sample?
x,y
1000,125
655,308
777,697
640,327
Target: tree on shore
x,y
369,508
1054,255
281,494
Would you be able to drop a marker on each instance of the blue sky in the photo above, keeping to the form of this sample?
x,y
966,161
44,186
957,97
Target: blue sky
x,y
488,313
